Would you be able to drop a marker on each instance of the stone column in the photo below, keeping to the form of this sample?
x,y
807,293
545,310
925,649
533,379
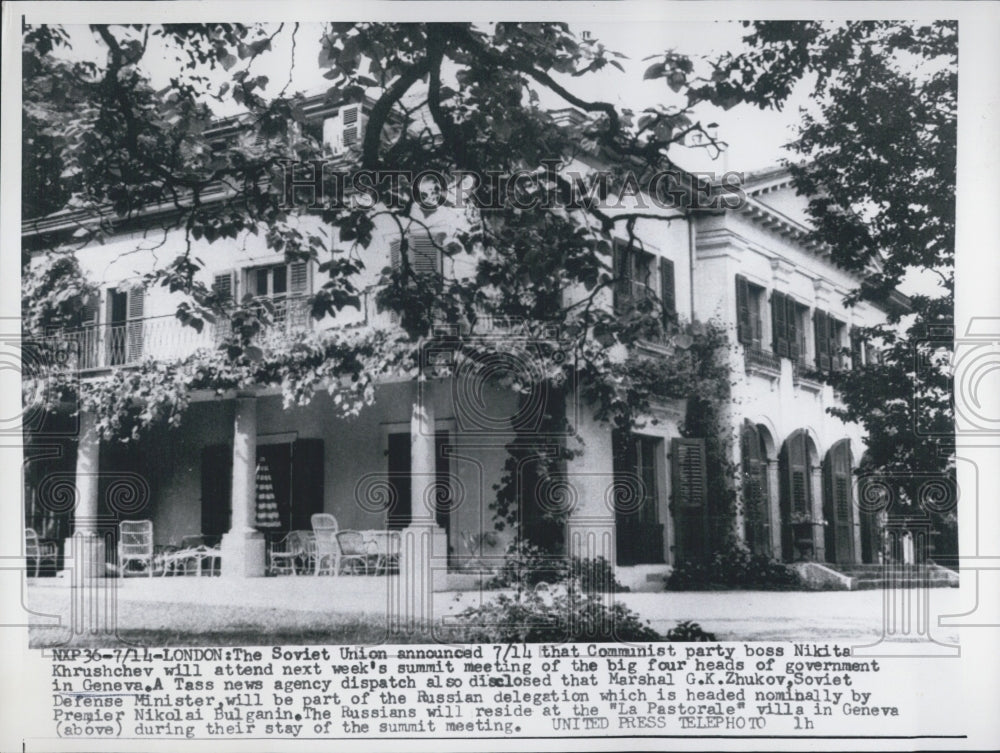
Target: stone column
x,y
243,547
819,530
423,559
89,547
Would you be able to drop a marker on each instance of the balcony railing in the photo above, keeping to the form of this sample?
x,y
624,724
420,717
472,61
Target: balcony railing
x,y
107,346
761,361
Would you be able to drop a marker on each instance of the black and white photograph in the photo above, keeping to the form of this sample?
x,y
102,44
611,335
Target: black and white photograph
x,y
617,373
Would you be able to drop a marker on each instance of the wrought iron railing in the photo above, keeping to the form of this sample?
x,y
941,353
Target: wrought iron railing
x,y
762,360
107,346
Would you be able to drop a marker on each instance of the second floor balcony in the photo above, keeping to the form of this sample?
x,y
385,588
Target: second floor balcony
x,y
96,348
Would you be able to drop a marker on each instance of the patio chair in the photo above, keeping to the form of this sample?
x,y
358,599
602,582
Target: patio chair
x,y
39,551
354,550
285,554
387,545
135,544
327,551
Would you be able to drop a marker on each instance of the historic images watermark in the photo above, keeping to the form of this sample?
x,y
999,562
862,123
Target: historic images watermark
x,y
317,183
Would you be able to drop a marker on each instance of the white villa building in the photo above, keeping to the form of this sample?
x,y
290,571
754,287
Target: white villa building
x,y
748,268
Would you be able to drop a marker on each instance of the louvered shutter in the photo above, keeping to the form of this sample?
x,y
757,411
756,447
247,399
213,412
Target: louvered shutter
x,y
298,273
798,475
668,295
89,338
136,306
778,320
744,325
792,329
622,289
395,258
838,503
350,122
821,330
756,500
856,348
690,506
833,328
224,286
424,257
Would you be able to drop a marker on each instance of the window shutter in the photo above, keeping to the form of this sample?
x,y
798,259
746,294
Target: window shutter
x,y
394,255
792,328
224,286
424,257
689,472
856,348
298,273
838,473
690,509
621,290
778,319
136,305
350,122
821,330
755,491
668,296
833,329
798,470
744,325
307,482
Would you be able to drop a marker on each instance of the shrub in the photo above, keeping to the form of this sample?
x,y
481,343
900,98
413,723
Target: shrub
x,y
690,632
552,615
734,567
526,566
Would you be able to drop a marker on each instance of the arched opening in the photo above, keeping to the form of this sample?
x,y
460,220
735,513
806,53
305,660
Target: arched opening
x,y
838,504
756,488
795,463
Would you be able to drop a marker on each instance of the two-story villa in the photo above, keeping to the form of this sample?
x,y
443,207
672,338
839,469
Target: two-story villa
x,y
426,456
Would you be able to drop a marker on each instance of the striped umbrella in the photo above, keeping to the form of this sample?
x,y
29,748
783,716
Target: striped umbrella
x,y
267,506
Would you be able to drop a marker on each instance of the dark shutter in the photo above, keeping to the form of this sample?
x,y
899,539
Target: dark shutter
x,y
424,257
778,320
216,491
744,325
442,479
838,465
792,329
136,306
349,121
857,343
307,482
224,287
820,330
690,508
622,277
833,330
795,492
668,296
756,500
395,258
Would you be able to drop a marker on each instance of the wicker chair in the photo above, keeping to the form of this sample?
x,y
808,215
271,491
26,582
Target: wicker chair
x,y
39,551
387,546
354,551
327,551
135,544
285,555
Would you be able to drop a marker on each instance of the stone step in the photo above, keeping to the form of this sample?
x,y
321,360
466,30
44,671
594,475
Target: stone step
x,y
869,584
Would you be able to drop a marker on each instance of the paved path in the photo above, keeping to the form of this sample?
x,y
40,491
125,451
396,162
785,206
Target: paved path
x,y
277,604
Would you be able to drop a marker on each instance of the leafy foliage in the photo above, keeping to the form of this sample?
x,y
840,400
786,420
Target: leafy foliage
x,y
733,567
879,148
527,565
568,613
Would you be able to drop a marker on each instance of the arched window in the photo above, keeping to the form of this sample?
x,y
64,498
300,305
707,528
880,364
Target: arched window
x,y
798,456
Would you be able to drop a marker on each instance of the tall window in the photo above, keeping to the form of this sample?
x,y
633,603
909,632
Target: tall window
x,y
787,326
641,276
639,534
756,494
749,307
829,332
